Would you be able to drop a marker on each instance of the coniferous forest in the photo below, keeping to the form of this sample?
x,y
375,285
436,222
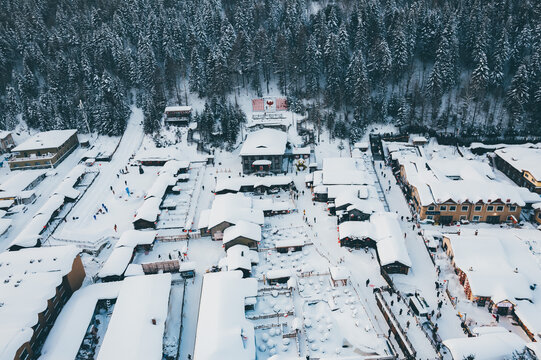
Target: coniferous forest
x,y
467,65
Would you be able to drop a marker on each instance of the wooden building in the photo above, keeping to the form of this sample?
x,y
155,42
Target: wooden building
x,y
51,275
243,233
178,115
6,141
44,150
522,165
263,151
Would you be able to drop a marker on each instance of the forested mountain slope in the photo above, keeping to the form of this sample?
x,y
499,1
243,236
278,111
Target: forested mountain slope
x,y
466,64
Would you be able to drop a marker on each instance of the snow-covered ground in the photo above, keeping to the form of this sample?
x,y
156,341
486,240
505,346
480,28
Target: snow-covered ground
x,y
311,317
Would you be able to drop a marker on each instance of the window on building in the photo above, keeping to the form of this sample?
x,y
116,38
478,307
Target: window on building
x,y
539,215
476,218
499,208
512,208
452,208
478,208
431,208
490,208
443,207
430,217
464,208
463,217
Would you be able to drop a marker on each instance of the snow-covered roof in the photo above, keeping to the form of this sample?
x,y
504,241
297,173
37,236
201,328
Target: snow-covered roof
x,y
234,184
70,326
149,211
537,206
498,267
131,333
119,259
292,242
223,332
11,339
458,180
134,270
204,219
18,181
28,279
264,142
530,315
29,236
368,206
4,225
419,139
270,205
344,171
391,244
4,133
132,238
522,158
339,273
160,185
173,166
117,262
6,204
45,140
233,208
157,154
279,273
492,346
240,257
357,230
178,108
383,228
242,229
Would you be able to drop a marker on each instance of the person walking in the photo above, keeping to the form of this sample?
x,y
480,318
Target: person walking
x,y
114,227
367,282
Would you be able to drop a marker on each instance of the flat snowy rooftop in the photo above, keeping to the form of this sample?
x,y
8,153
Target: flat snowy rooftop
x,y
45,140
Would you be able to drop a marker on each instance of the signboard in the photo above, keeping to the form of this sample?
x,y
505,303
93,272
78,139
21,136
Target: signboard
x,y
269,104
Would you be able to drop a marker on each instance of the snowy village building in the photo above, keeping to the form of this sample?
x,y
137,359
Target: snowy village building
x,y
452,190
178,115
522,165
499,344
223,332
136,326
263,151
228,210
44,150
18,186
497,271
6,141
65,192
35,284
383,233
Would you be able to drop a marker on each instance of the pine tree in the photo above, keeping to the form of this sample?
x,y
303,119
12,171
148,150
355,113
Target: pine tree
x,y
480,75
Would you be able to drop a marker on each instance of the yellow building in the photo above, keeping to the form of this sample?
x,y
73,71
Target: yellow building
x,y
43,150
522,165
451,190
